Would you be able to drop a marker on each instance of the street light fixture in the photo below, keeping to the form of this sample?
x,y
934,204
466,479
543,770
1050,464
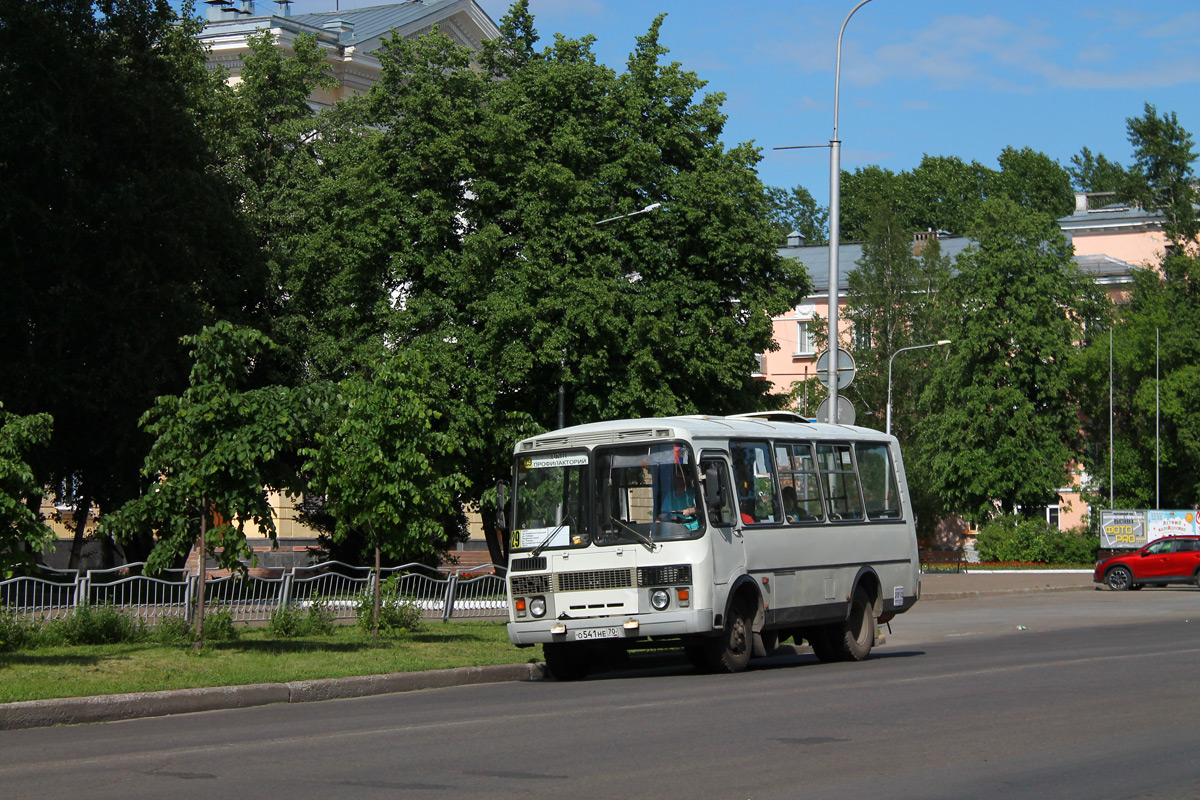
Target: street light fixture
x,y
646,210
938,343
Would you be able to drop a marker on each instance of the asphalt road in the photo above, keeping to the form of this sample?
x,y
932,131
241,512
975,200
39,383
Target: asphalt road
x,y
1086,694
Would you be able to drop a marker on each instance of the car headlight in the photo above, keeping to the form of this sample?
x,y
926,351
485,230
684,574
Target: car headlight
x,y
660,599
537,606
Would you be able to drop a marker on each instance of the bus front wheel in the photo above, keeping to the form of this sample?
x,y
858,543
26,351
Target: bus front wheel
x,y
730,652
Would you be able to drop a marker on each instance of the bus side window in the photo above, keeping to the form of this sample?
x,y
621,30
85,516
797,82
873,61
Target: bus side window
x,y
878,481
754,479
717,492
840,481
798,480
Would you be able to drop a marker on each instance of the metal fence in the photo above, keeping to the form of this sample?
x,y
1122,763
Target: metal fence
x,y
477,592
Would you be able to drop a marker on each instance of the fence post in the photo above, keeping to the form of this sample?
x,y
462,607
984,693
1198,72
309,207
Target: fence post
x,y
285,589
81,590
189,598
448,602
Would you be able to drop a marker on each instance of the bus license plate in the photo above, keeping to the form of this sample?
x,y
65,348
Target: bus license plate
x,y
597,633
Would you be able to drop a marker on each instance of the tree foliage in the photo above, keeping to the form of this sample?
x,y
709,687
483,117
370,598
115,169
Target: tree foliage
x,y
22,530
219,448
1161,178
795,211
945,193
116,236
382,466
1001,421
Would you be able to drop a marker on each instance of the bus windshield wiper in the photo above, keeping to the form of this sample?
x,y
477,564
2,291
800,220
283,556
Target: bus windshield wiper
x,y
538,550
636,534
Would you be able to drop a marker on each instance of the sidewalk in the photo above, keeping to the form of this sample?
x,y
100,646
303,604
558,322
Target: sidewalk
x,y
959,586
106,708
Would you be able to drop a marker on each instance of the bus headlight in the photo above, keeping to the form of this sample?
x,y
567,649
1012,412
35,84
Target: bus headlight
x,y
660,599
537,606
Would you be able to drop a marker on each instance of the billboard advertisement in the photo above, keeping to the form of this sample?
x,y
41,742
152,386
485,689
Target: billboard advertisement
x,y
1129,529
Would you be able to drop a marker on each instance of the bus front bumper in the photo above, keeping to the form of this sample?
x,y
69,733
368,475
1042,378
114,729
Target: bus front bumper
x,y
636,626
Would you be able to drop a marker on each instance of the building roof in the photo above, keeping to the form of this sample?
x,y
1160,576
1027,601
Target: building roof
x,y
363,29
815,258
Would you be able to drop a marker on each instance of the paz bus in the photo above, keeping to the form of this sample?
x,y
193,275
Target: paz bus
x,y
726,535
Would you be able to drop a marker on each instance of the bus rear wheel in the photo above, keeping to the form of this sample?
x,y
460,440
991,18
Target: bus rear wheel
x,y
566,662
852,639
730,652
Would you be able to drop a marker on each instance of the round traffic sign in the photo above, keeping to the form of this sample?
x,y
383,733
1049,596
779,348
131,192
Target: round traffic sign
x,y
845,370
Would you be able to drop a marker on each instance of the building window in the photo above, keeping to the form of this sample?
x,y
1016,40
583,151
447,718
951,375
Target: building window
x,y
804,340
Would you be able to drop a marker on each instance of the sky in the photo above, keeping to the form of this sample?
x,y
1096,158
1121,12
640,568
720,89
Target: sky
x,y
964,78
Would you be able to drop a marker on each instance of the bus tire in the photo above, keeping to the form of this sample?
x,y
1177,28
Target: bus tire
x,y
820,639
730,652
566,662
852,639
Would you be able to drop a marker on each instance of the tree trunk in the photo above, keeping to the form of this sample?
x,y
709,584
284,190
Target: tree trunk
x,y
201,571
82,506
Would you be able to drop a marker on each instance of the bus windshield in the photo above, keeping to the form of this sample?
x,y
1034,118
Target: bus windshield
x,y
646,493
550,493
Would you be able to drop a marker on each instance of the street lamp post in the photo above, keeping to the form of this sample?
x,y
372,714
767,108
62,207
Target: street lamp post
x,y
835,232
938,343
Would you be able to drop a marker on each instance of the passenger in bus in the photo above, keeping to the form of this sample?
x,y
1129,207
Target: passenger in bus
x,y
789,504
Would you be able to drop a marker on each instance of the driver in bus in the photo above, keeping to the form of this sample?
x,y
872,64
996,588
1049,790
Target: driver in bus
x,y
679,503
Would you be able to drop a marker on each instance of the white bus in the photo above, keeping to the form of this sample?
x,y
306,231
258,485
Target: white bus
x,y
726,535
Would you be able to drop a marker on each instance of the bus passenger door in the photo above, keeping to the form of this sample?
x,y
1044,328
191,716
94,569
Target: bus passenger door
x,y
728,553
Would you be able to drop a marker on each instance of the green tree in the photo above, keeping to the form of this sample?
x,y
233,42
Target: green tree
x,y
1095,173
116,235
863,190
382,465
506,284
23,533
1161,178
219,448
1033,181
891,300
1001,421
795,210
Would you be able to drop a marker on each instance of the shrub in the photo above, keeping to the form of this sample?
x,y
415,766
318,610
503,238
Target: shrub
x,y
289,621
16,632
396,612
175,630
95,624
1015,538
219,627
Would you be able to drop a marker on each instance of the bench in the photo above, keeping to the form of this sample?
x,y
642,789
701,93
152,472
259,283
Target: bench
x,y
942,561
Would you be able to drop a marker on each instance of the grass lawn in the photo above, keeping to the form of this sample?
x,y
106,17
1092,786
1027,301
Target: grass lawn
x,y
254,657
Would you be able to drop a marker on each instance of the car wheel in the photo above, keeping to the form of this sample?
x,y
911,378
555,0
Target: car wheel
x,y
1119,579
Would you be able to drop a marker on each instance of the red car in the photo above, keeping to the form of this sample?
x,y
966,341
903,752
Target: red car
x,y
1171,559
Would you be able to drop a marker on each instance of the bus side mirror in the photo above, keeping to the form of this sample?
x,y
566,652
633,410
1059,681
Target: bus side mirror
x,y
501,503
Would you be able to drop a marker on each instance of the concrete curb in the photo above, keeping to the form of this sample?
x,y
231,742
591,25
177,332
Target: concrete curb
x,y
967,595
109,708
